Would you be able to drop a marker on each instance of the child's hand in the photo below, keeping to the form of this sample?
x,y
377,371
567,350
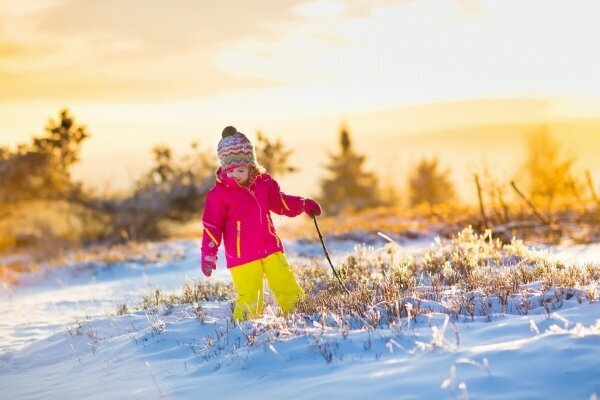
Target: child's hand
x,y
208,264
312,208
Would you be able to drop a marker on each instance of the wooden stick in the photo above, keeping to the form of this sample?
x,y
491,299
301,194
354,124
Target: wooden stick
x,y
327,255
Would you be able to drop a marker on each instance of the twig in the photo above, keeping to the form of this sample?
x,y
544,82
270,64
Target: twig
x,y
481,207
591,186
542,218
505,209
580,201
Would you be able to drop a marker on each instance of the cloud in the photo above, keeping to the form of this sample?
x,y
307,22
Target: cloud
x,y
11,50
430,50
135,49
119,84
471,6
321,8
360,54
167,27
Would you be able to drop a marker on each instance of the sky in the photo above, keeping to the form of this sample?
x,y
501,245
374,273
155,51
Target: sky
x,y
140,73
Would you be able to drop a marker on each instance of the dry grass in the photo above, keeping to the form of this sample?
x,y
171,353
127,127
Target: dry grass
x,y
54,233
32,224
462,276
139,252
395,221
569,225
145,253
468,276
192,292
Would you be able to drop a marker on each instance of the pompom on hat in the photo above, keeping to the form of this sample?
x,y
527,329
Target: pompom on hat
x,y
235,150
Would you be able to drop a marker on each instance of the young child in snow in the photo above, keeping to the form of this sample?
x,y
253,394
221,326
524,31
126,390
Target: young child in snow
x,y
238,210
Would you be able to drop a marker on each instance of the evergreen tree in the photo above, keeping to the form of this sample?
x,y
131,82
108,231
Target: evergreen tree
x,y
428,185
348,184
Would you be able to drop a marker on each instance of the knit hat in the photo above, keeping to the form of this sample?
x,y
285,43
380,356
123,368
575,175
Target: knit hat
x,y
235,150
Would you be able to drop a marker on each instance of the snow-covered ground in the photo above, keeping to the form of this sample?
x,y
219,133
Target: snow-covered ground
x,y
45,353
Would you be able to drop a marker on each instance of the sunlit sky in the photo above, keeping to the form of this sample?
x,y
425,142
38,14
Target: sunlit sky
x,y
142,72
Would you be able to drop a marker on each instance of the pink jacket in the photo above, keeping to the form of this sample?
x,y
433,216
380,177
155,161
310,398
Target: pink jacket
x,y
242,217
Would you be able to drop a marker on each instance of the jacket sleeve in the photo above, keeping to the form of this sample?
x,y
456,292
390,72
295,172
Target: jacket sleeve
x,y
213,220
284,204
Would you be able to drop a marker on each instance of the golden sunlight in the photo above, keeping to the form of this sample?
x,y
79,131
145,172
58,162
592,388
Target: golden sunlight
x,y
293,69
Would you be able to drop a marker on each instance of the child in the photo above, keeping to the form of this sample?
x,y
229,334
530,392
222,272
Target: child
x,y
238,209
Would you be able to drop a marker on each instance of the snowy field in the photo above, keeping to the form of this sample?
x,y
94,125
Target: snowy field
x,y
60,338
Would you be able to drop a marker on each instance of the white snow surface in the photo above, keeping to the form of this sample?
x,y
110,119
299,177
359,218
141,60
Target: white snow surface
x,y
44,353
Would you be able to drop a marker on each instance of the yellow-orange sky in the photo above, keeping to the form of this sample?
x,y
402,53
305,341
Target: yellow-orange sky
x,y
141,72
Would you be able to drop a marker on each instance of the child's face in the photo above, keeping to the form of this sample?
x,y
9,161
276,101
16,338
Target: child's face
x,y
240,174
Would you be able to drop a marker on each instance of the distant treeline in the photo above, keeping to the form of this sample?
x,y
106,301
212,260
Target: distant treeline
x,y
39,199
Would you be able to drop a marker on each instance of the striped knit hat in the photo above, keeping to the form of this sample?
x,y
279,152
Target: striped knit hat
x,y
235,150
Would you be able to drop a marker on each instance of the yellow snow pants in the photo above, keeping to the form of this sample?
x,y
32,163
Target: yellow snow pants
x,y
248,281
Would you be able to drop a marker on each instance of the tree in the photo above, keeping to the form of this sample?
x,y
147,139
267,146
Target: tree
x,y
172,190
428,185
25,175
42,169
163,170
273,156
348,185
63,140
548,173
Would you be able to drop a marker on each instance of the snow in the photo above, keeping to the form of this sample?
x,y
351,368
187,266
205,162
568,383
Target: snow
x,y
578,254
45,353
